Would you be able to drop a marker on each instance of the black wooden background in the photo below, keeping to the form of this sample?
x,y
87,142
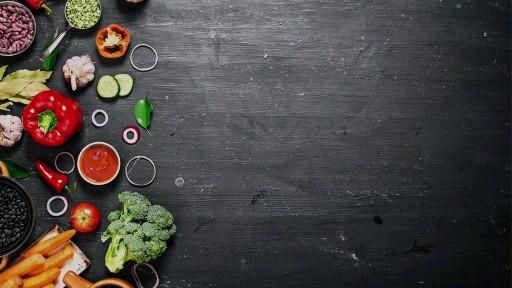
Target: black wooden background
x,y
326,143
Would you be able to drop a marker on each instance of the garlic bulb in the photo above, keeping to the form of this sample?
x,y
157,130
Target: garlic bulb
x,y
78,71
10,130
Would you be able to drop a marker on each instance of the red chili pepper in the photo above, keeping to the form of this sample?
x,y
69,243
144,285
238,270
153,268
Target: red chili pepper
x,y
36,4
52,118
52,178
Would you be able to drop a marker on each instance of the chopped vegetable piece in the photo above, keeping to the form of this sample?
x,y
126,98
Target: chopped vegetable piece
x,y
107,87
23,267
47,246
112,41
14,282
125,82
57,260
42,279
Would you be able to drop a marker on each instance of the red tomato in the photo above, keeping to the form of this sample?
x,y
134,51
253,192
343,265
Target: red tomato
x,y
85,217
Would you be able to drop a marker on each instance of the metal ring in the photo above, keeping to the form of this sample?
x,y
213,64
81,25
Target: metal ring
x,y
137,158
143,69
56,162
49,209
93,118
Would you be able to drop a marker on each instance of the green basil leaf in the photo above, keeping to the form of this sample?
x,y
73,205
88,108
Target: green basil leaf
x,y
50,62
143,112
16,170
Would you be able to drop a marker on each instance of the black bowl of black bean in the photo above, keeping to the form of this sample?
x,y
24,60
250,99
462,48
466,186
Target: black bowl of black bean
x,y
16,216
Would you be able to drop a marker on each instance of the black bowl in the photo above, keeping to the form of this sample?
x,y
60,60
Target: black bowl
x,y
14,246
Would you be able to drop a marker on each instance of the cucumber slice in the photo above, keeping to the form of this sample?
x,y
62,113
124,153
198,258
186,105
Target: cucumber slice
x,y
107,87
125,82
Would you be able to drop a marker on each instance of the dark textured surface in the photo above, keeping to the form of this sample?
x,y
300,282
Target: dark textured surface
x,y
396,109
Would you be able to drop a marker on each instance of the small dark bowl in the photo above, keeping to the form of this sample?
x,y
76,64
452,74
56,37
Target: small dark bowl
x,y
5,251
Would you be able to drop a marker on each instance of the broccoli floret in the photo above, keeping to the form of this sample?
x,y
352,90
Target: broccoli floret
x,y
138,232
134,205
157,247
115,226
152,231
114,215
160,216
137,249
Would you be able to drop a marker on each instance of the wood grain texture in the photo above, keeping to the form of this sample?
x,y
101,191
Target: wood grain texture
x,y
294,123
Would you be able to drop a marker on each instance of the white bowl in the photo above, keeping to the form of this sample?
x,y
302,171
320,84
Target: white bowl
x,y
79,161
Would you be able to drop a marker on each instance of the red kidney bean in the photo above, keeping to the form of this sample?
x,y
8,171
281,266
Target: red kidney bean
x,y
16,28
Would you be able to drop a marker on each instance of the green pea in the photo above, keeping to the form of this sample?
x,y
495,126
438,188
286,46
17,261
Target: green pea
x,y
82,14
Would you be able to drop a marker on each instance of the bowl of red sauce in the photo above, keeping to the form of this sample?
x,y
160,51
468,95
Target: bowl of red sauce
x,y
99,163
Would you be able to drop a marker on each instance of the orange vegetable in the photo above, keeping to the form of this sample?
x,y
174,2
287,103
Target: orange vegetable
x,y
3,169
14,282
51,285
23,267
112,41
47,246
57,260
42,279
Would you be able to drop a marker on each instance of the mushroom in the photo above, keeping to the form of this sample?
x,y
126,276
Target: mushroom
x,y
10,130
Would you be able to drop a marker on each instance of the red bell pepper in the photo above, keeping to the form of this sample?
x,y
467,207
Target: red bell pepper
x,y
57,181
36,4
52,118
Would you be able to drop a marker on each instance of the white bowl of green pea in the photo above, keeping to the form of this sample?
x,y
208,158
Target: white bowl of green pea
x,y
82,14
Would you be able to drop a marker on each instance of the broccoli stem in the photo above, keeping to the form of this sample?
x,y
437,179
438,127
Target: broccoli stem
x,y
116,254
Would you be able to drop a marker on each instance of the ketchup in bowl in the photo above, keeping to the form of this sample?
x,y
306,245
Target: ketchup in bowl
x,y
99,163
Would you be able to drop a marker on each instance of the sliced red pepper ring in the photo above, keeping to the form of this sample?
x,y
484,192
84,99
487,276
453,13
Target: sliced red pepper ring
x,y
52,118
112,41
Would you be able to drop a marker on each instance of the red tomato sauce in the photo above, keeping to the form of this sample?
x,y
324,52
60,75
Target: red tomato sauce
x,y
99,163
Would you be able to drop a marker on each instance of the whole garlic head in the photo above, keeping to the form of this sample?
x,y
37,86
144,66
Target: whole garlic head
x,y
78,71
11,129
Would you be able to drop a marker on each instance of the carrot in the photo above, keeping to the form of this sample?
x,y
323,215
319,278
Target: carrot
x,y
23,267
14,282
47,246
57,260
42,279
49,286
